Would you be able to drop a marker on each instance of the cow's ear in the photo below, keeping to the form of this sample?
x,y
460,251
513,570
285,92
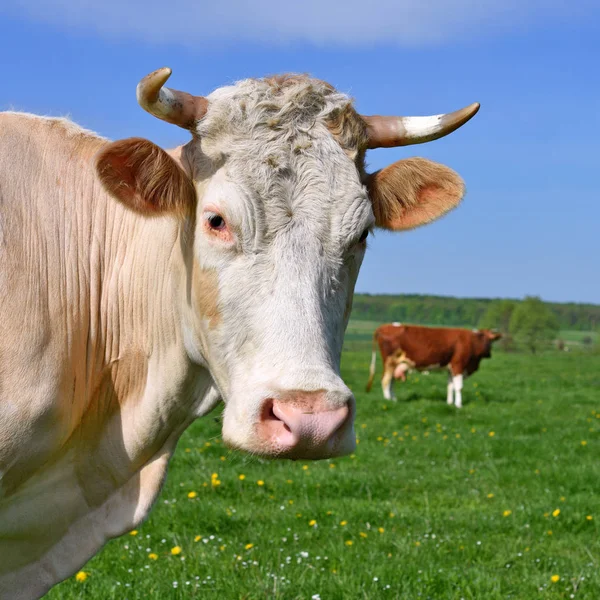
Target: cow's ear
x,y
145,178
413,192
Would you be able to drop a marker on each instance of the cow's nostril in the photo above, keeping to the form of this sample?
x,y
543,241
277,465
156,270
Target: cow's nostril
x,y
269,415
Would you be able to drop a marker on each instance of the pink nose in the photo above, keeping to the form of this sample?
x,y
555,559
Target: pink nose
x,y
303,427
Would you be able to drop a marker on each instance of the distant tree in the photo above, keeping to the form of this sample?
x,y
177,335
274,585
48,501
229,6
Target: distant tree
x,y
497,316
533,323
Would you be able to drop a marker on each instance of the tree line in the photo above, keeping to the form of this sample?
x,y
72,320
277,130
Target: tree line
x,y
530,321
461,312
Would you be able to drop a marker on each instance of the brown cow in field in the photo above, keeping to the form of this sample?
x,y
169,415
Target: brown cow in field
x,y
406,347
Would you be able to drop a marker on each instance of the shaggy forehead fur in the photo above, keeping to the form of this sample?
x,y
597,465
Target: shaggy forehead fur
x,y
293,110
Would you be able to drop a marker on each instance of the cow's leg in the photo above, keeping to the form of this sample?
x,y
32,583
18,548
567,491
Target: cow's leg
x,y
457,382
386,384
387,381
449,397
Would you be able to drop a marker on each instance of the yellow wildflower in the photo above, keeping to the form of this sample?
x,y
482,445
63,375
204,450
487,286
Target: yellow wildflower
x,y
176,550
492,433
192,494
555,578
589,517
556,512
583,443
132,532
153,556
332,466
507,513
248,546
343,523
362,534
348,542
197,538
305,467
381,530
241,477
260,482
490,495
312,523
549,532
81,576
417,543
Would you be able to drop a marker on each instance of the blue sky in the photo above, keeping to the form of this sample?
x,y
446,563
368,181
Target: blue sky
x,y
530,223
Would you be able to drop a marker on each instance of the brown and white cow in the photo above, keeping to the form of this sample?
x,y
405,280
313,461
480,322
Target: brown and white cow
x,y
139,287
407,347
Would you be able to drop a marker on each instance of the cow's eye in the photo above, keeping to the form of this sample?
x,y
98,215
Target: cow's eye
x,y
216,221
364,236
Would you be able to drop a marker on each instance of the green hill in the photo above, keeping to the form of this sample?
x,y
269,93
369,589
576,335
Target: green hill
x,y
459,312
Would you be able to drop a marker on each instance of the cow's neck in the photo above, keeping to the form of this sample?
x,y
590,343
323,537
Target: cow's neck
x,y
135,351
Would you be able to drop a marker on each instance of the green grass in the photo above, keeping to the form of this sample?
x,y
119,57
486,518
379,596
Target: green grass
x,y
578,336
434,504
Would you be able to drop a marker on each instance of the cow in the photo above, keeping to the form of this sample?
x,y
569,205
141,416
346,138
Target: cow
x,y
407,347
139,287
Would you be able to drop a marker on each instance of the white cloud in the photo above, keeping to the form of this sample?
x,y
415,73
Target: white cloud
x,y
321,22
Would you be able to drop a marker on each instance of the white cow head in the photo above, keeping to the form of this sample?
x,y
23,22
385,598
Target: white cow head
x,y
275,208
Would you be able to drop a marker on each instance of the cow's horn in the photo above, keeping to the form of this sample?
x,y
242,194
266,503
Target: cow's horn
x,y
173,106
388,132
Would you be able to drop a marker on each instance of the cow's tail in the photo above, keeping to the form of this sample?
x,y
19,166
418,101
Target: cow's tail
x,y
373,362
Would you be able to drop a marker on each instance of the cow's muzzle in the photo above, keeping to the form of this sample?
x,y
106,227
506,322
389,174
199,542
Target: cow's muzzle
x,y
303,425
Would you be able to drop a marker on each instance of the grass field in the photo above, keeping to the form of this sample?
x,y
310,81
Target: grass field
x,y
494,501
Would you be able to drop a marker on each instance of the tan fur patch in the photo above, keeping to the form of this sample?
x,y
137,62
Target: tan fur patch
x,y
206,292
413,192
145,178
350,131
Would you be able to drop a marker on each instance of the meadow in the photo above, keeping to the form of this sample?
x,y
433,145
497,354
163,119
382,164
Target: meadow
x,y
498,500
